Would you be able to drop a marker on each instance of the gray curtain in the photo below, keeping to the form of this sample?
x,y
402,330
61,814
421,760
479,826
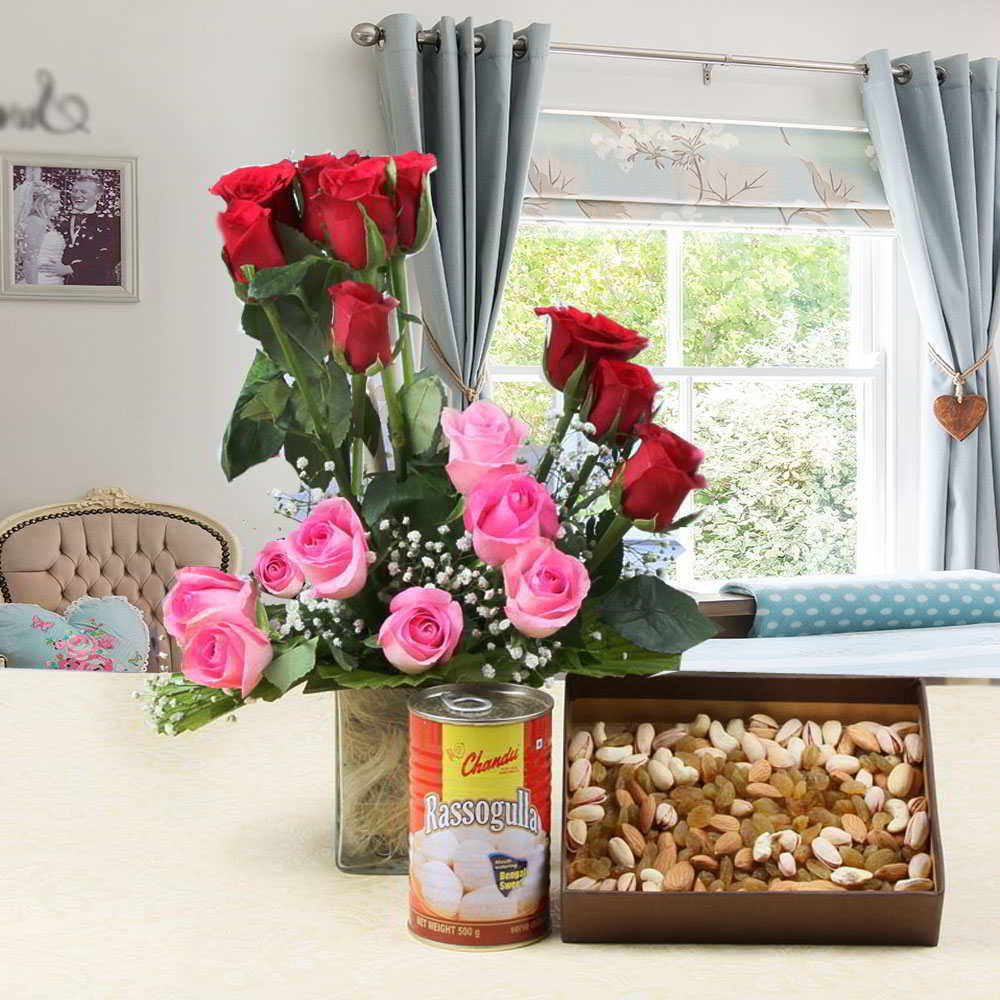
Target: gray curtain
x,y
935,136
477,114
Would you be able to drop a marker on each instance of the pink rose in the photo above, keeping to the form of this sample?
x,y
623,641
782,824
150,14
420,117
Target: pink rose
x,y
106,643
81,645
545,588
506,510
423,628
226,650
100,663
276,572
201,590
482,438
331,550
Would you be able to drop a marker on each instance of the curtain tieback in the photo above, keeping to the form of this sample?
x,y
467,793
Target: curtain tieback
x,y
470,392
958,377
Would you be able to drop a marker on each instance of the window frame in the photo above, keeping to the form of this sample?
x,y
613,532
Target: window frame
x,y
873,347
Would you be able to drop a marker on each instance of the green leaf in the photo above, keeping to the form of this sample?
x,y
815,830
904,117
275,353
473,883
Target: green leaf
x,y
337,402
271,282
609,571
291,665
422,401
299,445
269,402
571,390
384,491
247,443
644,610
377,679
425,218
683,522
295,244
310,337
374,242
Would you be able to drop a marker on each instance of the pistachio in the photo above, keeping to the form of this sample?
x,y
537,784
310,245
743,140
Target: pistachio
x,y
699,727
652,887
875,799
841,762
914,885
583,883
848,876
634,759
913,748
665,817
651,875
789,729
778,756
832,731
626,882
576,834
762,721
600,733
644,738
835,836
917,831
812,735
591,794
920,866
753,749
789,840
762,847
721,739
787,865
589,814
900,780
660,775
825,852
608,885
581,746
579,774
888,741
620,853
900,814
669,738
613,755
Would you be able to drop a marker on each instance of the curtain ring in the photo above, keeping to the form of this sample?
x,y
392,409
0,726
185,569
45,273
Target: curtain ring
x,y
903,74
942,74
520,47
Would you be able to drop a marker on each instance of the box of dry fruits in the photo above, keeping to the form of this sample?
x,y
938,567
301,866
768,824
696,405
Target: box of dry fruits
x,y
750,808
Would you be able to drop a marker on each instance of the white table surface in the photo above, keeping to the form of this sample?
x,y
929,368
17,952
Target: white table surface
x,y
138,866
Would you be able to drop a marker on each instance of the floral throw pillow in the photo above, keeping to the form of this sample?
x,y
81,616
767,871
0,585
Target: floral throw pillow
x,y
101,634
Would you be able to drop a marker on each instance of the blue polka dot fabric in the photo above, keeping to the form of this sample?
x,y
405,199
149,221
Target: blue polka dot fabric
x,y
788,606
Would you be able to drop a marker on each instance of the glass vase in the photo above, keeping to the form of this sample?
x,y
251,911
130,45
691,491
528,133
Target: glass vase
x,y
371,823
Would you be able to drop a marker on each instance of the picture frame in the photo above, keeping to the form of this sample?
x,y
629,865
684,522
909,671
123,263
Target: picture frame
x,y
68,227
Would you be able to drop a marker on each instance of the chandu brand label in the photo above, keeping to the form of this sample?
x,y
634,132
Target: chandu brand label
x,y
479,822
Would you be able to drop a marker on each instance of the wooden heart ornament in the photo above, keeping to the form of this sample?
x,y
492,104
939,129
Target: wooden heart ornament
x,y
960,417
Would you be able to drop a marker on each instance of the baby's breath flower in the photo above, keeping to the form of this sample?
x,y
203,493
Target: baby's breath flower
x,y
489,672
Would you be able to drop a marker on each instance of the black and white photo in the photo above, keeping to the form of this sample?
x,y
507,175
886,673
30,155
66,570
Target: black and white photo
x,y
68,228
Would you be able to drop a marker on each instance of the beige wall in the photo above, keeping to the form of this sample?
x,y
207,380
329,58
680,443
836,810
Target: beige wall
x,y
137,395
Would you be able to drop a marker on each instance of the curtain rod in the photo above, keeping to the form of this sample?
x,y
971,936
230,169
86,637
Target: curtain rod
x,y
367,35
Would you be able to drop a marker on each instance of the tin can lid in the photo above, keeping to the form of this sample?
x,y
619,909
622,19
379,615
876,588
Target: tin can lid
x,y
480,704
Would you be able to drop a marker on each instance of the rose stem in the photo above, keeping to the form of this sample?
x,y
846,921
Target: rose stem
x,y
340,471
614,533
397,430
545,465
400,291
358,397
585,470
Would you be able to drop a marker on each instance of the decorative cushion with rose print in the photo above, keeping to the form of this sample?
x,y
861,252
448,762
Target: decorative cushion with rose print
x,y
105,634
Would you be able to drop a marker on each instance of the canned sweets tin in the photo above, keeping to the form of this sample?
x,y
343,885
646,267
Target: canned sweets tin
x,y
480,784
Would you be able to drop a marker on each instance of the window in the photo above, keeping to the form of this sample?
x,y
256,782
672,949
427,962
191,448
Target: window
x,y
767,345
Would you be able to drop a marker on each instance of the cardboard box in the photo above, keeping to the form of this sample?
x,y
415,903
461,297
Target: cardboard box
x,y
851,917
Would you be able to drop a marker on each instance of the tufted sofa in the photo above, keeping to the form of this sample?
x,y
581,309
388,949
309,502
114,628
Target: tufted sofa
x,y
109,543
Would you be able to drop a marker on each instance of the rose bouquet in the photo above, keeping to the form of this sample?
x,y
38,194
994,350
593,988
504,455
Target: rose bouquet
x,y
442,546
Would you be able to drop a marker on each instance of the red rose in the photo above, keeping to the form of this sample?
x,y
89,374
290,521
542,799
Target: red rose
x,y
248,237
576,335
622,392
657,478
309,168
344,189
411,170
270,187
361,324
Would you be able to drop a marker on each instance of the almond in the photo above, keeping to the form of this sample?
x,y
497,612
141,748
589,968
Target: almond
x,y
743,859
914,885
647,813
728,843
892,872
855,826
863,738
702,863
666,859
635,840
724,824
679,878
759,789
759,771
